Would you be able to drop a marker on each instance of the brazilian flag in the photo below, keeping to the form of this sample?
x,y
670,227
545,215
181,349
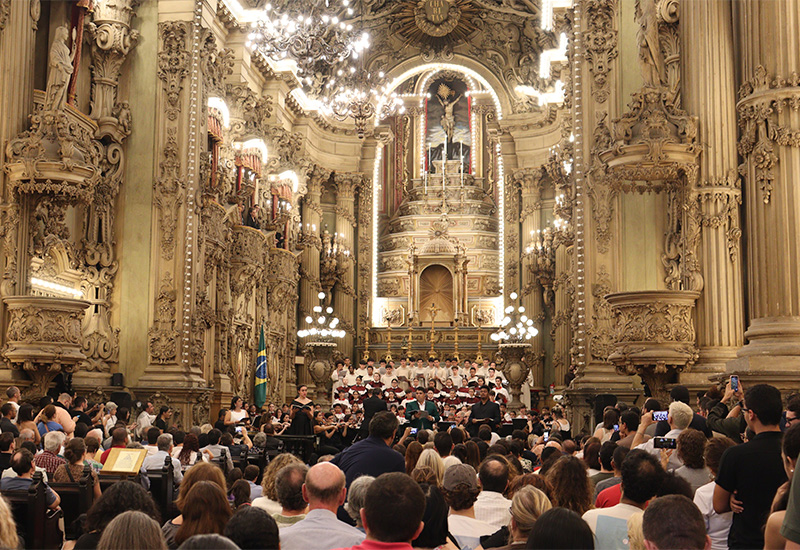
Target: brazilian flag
x,y
261,371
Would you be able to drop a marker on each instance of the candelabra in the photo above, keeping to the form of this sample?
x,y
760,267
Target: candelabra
x,y
542,254
335,258
278,213
307,237
514,335
389,317
410,336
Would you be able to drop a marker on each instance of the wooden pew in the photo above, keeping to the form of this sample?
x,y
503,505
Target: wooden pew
x,y
222,461
36,523
162,488
76,499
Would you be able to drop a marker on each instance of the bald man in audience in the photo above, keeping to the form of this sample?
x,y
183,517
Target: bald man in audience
x,y
324,490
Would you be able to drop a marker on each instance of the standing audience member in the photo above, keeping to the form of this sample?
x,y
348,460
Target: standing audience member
x,y
7,425
14,396
571,486
628,424
324,490
674,522
205,510
753,471
642,475
492,507
560,529
132,530
791,450
121,497
289,490
392,514
717,525
251,528
680,394
374,455
46,421
460,488
606,458
691,448
25,422
678,419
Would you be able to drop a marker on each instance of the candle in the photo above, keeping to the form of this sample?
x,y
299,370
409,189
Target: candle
x,y
461,162
444,164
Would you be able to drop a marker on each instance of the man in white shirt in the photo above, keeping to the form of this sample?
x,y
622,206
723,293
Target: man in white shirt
x,y
13,395
455,377
145,420
641,476
492,507
156,461
680,416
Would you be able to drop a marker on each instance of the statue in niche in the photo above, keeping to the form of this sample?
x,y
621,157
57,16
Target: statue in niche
x,y
60,70
448,120
651,61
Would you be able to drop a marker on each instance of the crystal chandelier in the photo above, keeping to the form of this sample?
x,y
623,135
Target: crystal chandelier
x,y
321,325
515,327
355,93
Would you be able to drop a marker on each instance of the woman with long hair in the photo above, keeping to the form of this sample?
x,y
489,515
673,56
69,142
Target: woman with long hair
x,y
205,510
434,532
202,471
302,411
8,529
605,430
432,460
236,414
413,451
473,454
121,497
571,486
189,453
72,471
132,530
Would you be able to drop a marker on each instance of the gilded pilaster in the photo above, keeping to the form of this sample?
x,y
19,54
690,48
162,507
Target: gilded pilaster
x,y
344,292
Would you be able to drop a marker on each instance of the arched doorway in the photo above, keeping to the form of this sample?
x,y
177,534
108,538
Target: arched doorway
x,y
436,287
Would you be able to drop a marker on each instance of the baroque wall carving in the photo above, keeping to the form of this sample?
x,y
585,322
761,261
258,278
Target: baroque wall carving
x,y
601,45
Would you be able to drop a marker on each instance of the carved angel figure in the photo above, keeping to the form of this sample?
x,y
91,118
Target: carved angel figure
x,y
651,61
60,70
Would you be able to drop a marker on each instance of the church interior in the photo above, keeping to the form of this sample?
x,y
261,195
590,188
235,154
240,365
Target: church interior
x,y
596,195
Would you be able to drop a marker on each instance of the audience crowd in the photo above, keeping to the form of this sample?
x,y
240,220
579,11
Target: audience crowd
x,y
418,456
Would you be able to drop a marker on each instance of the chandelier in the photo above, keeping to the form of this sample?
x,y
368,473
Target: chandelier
x,y
321,326
354,93
515,327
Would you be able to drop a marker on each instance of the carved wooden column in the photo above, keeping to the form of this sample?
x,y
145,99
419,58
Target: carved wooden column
x,y
530,182
18,24
312,245
769,63
708,92
562,321
344,291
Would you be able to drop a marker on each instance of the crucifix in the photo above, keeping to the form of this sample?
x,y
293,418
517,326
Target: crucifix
x,y
434,310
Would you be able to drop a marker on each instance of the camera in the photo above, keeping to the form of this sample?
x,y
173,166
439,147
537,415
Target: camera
x,y
665,443
660,416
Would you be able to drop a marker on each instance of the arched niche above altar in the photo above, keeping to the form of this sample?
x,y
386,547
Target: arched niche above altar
x,y
438,283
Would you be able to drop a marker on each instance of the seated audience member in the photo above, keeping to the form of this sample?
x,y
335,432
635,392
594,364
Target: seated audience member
x,y
72,471
527,505
754,470
492,507
289,490
189,453
268,501
717,525
691,447
7,448
23,465
392,513
205,510
355,499
460,488
239,494
641,477
560,528
119,440
250,475
132,530
197,473
251,528
679,418
431,459
435,533
152,437
791,450
8,528
324,490
571,486
208,542
122,496
215,449
413,451
157,460
674,522
48,458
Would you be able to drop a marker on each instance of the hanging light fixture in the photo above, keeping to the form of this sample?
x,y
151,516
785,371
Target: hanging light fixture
x,y
515,327
321,324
